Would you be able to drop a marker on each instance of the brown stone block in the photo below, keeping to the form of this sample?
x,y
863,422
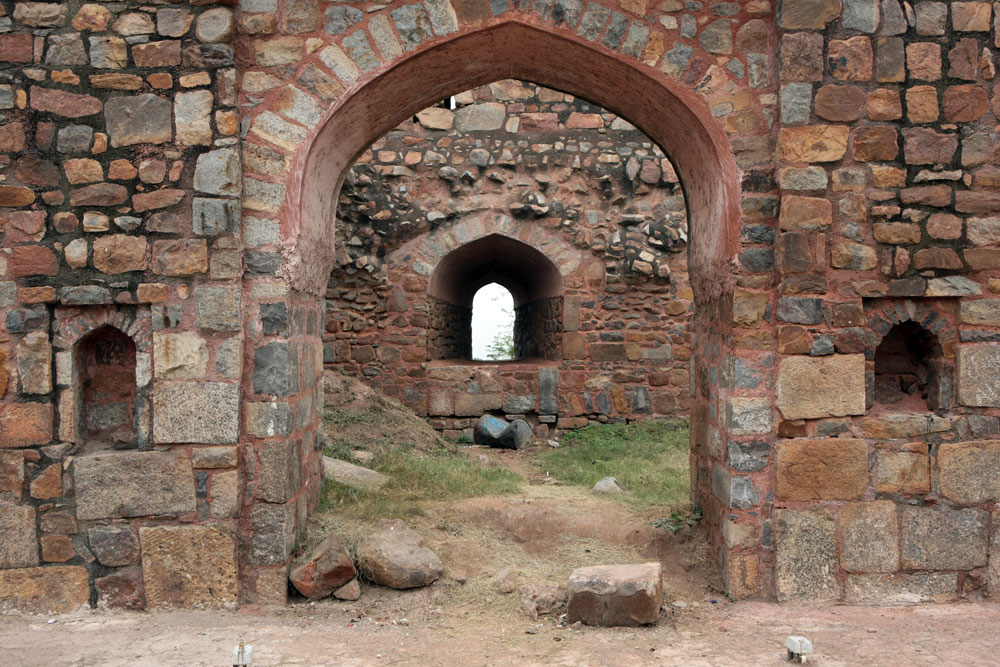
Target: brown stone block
x,y
890,64
121,590
875,143
188,566
922,104
157,54
16,47
963,60
41,590
99,194
850,59
802,56
116,485
839,103
969,472
883,104
808,14
813,143
902,472
923,60
925,146
180,258
25,424
150,201
944,226
15,195
749,307
896,233
574,346
977,201
474,405
936,258
805,213
70,105
49,483
928,195
965,103
615,595
57,548
607,352
118,253
827,469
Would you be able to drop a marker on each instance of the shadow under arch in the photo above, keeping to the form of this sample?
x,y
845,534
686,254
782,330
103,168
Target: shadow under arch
x,y
672,115
532,279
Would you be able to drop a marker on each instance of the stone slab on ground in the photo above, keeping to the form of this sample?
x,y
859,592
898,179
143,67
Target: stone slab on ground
x,y
615,595
356,477
395,556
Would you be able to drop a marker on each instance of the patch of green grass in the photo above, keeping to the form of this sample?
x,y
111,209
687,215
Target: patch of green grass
x,y
649,459
347,416
415,477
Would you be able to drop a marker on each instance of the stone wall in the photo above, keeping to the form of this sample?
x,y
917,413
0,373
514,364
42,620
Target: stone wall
x,y
172,171
594,194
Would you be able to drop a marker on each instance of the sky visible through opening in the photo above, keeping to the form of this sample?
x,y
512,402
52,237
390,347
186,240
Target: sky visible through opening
x,y
492,320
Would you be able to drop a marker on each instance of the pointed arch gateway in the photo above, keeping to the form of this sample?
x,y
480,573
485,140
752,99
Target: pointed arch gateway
x,y
545,49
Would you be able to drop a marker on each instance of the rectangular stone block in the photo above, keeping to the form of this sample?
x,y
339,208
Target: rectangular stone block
x,y
805,556
900,588
748,416
18,536
273,533
189,566
902,472
826,469
941,538
128,484
993,566
280,470
196,412
474,405
615,595
817,387
44,590
869,537
969,472
978,369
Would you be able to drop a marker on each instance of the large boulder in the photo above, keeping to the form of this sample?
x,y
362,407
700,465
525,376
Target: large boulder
x,y
324,569
395,556
612,595
501,434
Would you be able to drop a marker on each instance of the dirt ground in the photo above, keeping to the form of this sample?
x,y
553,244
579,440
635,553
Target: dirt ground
x,y
339,633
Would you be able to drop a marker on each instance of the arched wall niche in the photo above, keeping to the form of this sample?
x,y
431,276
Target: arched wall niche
x,y
532,279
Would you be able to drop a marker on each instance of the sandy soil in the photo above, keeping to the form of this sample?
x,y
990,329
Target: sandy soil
x,y
337,633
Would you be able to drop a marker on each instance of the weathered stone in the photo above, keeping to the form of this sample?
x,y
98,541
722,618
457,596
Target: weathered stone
x,y
495,432
273,528
850,59
140,119
121,590
165,53
218,307
817,387
969,472
192,114
34,363
215,26
615,595
356,477
943,538
840,103
350,591
180,258
805,556
188,566
196,412
869,539
471,405
44,590
809,14
25,424
179,356
828,469
323,569
395,556
70,105
119,253
900,588
875,143
805,213
978,366
966,103
114,545
923,61
19,547
117,484
486,116
813,143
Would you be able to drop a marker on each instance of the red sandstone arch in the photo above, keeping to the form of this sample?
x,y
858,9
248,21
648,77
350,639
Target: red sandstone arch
x,y
674,116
